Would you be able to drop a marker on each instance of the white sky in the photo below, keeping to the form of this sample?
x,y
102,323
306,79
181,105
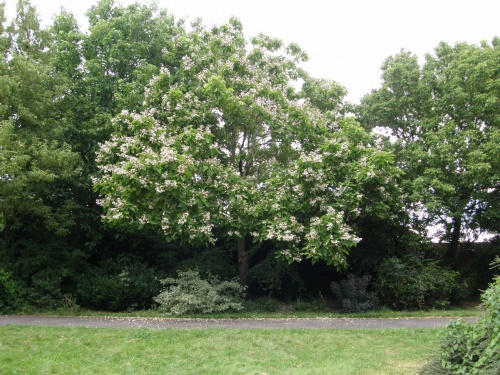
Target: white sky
x,y
346,40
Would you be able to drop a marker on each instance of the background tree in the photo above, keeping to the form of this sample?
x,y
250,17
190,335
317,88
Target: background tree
x,y
37,163
444,116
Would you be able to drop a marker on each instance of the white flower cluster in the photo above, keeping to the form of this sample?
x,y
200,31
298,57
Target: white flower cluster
x,y
288,230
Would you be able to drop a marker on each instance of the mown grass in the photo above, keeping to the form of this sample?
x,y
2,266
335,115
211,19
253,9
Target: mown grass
x,y
62,350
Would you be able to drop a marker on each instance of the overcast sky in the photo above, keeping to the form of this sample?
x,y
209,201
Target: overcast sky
x,y
346,40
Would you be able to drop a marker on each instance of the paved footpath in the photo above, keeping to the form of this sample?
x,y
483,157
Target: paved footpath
x,y
158,323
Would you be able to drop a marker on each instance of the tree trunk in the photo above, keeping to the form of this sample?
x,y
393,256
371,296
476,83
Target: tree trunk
x,y
454,239
243,261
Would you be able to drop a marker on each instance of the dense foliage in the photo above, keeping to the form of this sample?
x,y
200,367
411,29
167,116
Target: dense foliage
x,y
415,283
126,284
352,294
143,147
11,297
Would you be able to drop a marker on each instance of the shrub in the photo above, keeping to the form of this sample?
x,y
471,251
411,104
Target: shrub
x,y
189,294
118,286
352,295
45,290
276,278
415,283
99,290
11,292
472,348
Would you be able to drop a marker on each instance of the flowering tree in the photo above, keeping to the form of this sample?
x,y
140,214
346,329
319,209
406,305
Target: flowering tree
x,y
227,142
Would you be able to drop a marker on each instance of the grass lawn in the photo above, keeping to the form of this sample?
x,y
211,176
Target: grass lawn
x,y
383,313
56,350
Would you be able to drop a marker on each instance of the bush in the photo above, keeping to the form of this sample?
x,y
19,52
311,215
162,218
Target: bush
x,y
189,294
276,278
352,295
11,292
472,348
45,290
99,290
119,286
415,283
